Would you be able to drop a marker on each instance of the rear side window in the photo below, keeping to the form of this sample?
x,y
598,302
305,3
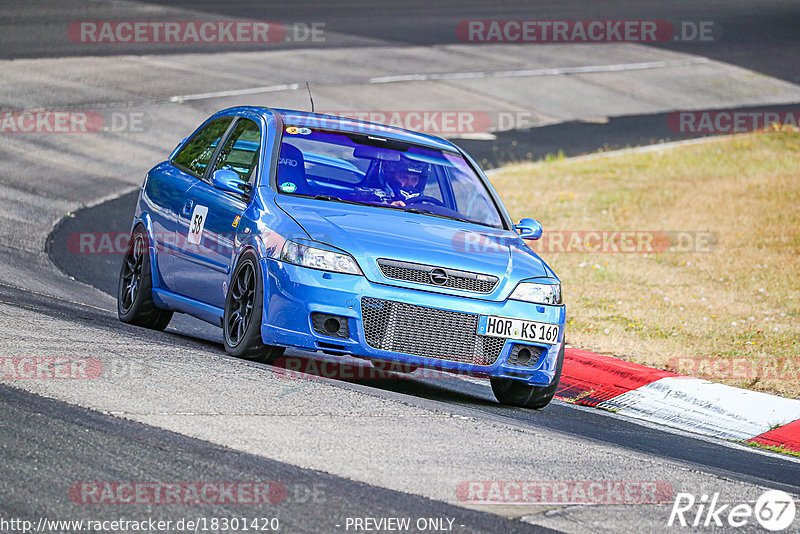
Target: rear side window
x,y
195,156
240,151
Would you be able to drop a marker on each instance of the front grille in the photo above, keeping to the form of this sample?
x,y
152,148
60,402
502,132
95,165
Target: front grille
x,y
427,332
415,272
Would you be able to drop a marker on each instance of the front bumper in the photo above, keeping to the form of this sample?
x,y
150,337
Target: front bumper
x,y
292,293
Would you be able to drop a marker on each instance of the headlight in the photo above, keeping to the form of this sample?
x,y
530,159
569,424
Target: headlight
x,y
316,258
538,293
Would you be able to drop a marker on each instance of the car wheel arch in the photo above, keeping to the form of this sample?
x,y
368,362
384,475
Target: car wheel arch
x,y
144,222
242,250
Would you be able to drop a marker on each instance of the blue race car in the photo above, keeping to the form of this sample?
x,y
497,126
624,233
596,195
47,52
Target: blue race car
x,y
293,229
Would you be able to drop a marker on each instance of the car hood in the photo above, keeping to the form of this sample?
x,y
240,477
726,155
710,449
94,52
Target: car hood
x,y
370,233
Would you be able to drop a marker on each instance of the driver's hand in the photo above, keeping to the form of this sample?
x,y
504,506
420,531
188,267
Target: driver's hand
x,y
399,203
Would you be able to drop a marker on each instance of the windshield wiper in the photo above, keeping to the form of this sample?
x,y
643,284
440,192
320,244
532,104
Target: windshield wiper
x,y
428,212
417,210
329,198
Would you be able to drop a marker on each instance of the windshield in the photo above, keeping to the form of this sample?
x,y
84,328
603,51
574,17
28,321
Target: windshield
x,y
366,169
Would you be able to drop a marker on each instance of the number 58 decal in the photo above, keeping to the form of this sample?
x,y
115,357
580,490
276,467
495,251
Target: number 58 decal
x,y
197,223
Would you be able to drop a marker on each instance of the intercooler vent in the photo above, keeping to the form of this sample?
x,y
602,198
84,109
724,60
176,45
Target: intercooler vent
x,y
427,332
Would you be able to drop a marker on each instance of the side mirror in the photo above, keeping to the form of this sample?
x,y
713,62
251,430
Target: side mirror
x,y
229,181
529,229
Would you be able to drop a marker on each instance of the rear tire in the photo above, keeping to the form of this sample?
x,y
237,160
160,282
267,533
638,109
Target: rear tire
x,y
244,304
135,290
518,393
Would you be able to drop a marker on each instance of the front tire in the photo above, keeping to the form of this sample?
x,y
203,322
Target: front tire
x,y
244,304
518,393
135,289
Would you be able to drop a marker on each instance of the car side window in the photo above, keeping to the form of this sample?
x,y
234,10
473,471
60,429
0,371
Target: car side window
x,y
469,200
433,187
240,151
196,154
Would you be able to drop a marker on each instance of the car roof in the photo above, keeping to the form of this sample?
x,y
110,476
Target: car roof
x,y
320,120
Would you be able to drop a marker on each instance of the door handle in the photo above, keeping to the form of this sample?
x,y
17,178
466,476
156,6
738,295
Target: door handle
x,y
187,208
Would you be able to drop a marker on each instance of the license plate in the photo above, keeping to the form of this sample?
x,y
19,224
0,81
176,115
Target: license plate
x,y
492,326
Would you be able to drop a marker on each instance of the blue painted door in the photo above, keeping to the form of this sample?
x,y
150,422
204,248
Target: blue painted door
x,y
162,198
207,224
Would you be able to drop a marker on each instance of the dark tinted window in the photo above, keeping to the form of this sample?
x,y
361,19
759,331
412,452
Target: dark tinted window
x,y
369,170
240,152
196,154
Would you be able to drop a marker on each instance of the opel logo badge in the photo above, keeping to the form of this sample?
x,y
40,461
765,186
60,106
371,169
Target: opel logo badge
x,y
438,277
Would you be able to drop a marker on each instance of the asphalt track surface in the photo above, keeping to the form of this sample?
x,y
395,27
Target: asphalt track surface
x,y
46,445
312,502
760,36
100,270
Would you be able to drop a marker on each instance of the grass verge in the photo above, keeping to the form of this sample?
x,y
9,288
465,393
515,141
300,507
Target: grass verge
x,y
712,285
773,448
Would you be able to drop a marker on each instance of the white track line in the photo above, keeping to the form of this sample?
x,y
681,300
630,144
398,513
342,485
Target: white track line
x,y
542,72
461,76
236,92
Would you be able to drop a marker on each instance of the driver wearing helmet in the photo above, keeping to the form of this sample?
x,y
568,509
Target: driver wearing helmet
x,y
405,180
